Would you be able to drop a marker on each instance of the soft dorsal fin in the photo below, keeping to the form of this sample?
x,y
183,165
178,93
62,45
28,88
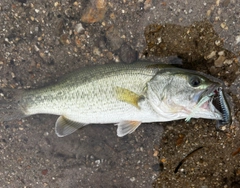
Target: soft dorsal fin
x,y
64,126
128,96
127,127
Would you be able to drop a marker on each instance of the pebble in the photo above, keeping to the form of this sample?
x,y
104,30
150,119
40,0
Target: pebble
x,y
211,55
95,12
217,42
237,39
132,179
96,51
114,41
147,4
221,53
228,62
109,55
78,28
156,167
219,61
224,25
127,54
78,42
64,39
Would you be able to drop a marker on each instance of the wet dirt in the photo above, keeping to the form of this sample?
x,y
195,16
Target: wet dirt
x,y
41,41
198,45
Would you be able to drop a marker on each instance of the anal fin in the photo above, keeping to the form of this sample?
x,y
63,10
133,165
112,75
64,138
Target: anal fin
x,y
64,126
127,127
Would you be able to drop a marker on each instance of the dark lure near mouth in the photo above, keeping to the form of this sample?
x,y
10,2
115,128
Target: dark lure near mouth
x,y
220,103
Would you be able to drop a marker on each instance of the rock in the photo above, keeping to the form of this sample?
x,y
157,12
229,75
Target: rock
x,y
127,54
211,55
78,28
219,61
113,39
95,11
64,39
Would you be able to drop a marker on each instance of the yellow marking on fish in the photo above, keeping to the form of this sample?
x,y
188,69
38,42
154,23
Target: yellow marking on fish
x,y
128,96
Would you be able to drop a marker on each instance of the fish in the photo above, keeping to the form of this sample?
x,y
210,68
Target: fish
x,y
126,95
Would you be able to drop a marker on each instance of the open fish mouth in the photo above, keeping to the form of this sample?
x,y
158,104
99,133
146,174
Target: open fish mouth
x,y
214,100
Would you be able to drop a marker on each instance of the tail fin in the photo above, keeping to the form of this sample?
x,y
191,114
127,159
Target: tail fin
x,y
10,104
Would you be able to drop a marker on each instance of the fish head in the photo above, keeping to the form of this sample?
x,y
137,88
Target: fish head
x,y
178,94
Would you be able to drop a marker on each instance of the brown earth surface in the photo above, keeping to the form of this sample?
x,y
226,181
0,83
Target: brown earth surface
x,y
41,41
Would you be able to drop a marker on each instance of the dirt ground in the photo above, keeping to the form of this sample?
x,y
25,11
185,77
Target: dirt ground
x,y
41,41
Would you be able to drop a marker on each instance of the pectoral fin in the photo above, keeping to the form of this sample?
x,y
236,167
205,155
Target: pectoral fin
x,y
127,127
64,126
128,96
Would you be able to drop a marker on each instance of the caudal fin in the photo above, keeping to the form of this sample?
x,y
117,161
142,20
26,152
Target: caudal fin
x,y
10,104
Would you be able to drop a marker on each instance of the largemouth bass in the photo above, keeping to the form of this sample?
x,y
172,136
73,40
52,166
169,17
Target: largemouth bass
x,y
126,95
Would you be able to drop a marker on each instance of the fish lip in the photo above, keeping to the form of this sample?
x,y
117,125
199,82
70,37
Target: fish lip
x,y
218,103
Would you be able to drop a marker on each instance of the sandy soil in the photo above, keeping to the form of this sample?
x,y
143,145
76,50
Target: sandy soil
x,y
40,41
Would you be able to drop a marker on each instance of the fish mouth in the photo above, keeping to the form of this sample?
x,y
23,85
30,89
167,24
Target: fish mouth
x,y
218,104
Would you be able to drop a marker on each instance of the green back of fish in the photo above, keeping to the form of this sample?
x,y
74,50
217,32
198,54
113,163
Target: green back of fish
x,y
90,88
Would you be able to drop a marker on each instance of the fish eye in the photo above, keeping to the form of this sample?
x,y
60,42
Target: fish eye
x,y
194,81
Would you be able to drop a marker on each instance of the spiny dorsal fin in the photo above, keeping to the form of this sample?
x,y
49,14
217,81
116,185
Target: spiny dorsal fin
x,y
127,127
64,126
128,96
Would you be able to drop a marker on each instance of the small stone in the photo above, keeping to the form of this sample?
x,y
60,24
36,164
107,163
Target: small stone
x,y
228,62
127,54
156,167
32,18
218,42
209,13
56,4
221,53
46,134
132,179
96,51
109,55
64,39
78,28
147,4
237,39
211,55
101,4
163,160
114,40
112,16
224,25
75,3
159,40
95,12
78,42
42,55
13,75
219,61
155,153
